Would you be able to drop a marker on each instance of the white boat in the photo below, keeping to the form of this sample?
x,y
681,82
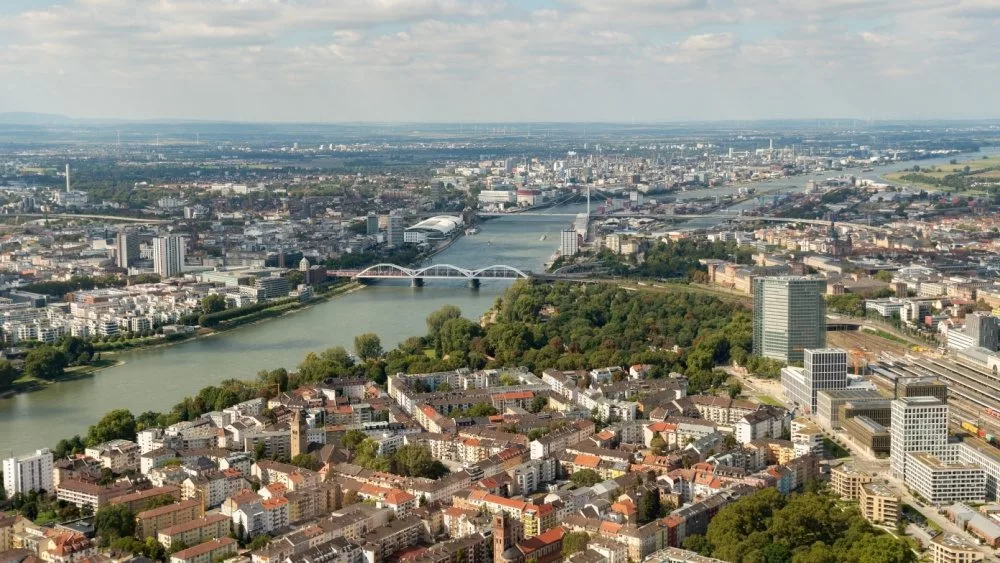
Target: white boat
x,y
471,231
544,237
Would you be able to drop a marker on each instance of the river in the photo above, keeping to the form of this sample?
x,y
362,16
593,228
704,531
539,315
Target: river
x,y
155,379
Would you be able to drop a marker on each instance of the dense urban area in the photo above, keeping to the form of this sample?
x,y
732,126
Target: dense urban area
x,y
765,342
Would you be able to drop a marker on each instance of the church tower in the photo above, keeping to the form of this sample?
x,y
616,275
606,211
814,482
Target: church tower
x,y
300,440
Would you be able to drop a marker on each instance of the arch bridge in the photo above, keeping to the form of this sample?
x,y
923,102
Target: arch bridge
x,y
434,272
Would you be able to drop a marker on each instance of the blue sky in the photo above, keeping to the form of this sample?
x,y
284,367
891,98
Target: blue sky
x,y
500,60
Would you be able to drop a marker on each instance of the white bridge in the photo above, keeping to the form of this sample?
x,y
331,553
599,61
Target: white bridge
x,y
435,272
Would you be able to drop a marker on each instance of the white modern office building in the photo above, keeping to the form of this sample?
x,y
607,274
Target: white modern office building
x,y
823,369
919,424
940,482
28,473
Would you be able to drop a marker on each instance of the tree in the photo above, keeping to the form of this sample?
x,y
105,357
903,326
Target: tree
x,y
538,404
7,375
883,276
574,542
114,521
658,444
307,461
734,389
45,362
437,319
118,424
259,451
258,542
585,478
77,350
649,507
699,544
368,346
352,439
213,303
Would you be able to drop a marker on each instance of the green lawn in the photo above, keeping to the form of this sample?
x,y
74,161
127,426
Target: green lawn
x,y
834,450
769,400
25,383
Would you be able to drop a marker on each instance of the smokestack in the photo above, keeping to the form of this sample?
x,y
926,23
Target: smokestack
x,y
67,178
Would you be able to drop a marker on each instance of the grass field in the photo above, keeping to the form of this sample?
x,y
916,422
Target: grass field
x,y
943,170
25,383
769,400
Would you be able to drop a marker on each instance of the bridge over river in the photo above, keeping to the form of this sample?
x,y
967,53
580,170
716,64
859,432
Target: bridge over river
x,y
434,272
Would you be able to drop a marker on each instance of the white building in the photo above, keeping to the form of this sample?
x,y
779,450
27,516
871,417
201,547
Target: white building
x,y
168,255
569,243
824,369
28,473
919,424
939,482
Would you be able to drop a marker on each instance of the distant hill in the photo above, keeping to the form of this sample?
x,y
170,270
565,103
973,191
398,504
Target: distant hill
x,y
29,118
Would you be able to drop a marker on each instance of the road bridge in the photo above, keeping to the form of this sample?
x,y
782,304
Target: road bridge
x,y
435,272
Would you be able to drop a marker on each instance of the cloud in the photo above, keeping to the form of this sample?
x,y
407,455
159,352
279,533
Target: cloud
x,y
491,59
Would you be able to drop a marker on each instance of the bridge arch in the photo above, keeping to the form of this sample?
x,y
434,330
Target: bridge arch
x,y
443,271
385,270
499,271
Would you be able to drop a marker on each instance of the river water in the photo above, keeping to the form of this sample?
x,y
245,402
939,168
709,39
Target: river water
x,y
155,379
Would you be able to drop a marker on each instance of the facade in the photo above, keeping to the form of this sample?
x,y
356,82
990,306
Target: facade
x,y
984,330
127,246
396,231
869,434
829,401
879,505
919,424
789,316
206,552
939,482
28,473
569,243
150,522
168,255
952,548
846,481
824,369
194,532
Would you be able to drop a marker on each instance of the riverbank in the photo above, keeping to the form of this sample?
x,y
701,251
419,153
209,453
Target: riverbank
x,y
26,384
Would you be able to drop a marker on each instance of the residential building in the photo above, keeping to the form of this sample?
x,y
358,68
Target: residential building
x,y
168,255
396,231
194,532
879,505
569,243
846,481
952,548
119,456
150,522
127,248
789,316
207,552
28,473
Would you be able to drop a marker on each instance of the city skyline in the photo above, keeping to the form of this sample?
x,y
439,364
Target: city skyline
x,y
452,61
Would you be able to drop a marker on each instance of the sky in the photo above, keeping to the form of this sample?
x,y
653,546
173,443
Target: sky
x,y
500,60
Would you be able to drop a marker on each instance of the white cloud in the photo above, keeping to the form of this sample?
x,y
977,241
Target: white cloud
x,y
485,59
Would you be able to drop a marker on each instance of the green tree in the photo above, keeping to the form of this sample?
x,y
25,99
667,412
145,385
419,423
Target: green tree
x,y
307,461
114,521
699,544
45,362
658,444
7,375
574,542
884,276
585,478
538,404
352,439
437,319
213,303
734,390
117,424
368,346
